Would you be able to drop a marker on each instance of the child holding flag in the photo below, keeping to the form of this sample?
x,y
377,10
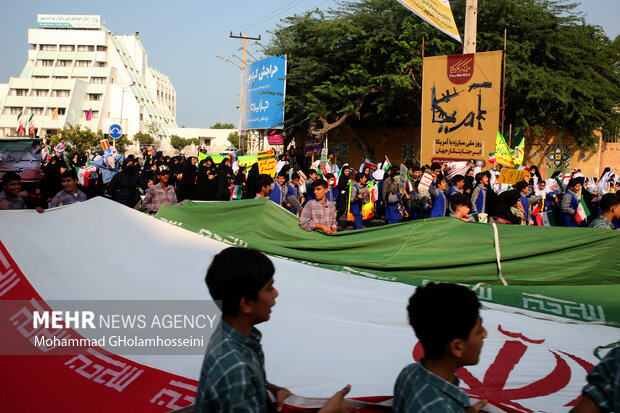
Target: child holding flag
x,y
570,204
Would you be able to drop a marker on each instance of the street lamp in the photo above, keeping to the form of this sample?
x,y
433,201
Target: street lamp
x,y
123,101
241,97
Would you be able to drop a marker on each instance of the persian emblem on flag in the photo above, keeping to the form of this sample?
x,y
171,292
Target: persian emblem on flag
x,y
549,378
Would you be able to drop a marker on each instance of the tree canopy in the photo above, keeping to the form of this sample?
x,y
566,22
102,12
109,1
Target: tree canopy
x,y
80,140
361,64
219,125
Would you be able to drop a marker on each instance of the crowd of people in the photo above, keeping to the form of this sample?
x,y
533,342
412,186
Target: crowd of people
x,y
325,196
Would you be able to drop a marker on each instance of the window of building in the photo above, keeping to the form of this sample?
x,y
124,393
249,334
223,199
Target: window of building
x,y
40,92
63,63
67,48
48,47
82,63
61,93
40,77
14,110
205,141
102,64
61,111
46,62
98,80
141,117
86,48
93,114
20,92
101,48
61,77
95,96
36,111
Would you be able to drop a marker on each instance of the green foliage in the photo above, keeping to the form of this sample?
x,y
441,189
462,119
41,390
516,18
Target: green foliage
x,y
177,142
153,129
144,138
368,50
560,72
219,125
233,138
79,140
365,59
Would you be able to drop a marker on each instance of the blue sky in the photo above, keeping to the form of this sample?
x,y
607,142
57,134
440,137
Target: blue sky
x,y
182,38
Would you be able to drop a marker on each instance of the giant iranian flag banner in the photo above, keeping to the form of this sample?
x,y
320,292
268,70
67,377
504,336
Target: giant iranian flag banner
x,y
352,328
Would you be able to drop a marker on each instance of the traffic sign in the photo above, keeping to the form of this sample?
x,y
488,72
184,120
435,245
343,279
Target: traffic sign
x,y
116,131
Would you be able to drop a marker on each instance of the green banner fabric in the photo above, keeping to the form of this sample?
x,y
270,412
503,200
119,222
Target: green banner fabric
x,y
567,272
247,160
216,158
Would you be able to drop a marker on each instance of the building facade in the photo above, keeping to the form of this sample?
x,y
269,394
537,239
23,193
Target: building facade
x,y
79,73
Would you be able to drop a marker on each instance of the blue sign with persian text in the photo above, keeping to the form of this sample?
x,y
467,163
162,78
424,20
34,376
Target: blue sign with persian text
x,y
263,91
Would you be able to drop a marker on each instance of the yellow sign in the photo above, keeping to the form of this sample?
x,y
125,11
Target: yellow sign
x,y
512,176
460,106
267,162
436,12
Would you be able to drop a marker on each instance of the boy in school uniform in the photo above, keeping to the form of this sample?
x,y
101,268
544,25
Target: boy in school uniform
x,y
358,193
446,320
233,378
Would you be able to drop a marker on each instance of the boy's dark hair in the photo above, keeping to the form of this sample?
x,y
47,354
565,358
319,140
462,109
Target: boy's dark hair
x,y
237,273
440,179
435,166
312,171
320,182
459,199
10,176
439,313
479,176
329,176
261,181
69,173
521,185
358,177
573,182
457,179
608,201
295,175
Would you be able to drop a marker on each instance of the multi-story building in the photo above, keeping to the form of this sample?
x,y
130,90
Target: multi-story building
x,y
78,72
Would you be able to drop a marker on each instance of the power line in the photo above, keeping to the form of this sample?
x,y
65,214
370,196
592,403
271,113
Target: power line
x,y
268,15
273,14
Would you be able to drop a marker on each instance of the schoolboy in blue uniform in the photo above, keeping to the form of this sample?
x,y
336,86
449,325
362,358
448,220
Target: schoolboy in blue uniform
x,y
312,176
233,378
279,191
446,320
357,199
440,201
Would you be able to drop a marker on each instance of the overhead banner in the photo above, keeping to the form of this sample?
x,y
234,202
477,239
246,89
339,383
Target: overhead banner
x,y
435,12
263,89
460,106
22,156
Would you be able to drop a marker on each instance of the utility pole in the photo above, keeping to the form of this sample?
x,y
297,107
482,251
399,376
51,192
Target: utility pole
x,y
242,94
471,23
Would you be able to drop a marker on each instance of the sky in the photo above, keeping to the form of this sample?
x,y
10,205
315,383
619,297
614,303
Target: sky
x,y
183,37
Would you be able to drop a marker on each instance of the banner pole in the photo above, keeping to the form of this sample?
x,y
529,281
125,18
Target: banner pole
x,y
503,107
